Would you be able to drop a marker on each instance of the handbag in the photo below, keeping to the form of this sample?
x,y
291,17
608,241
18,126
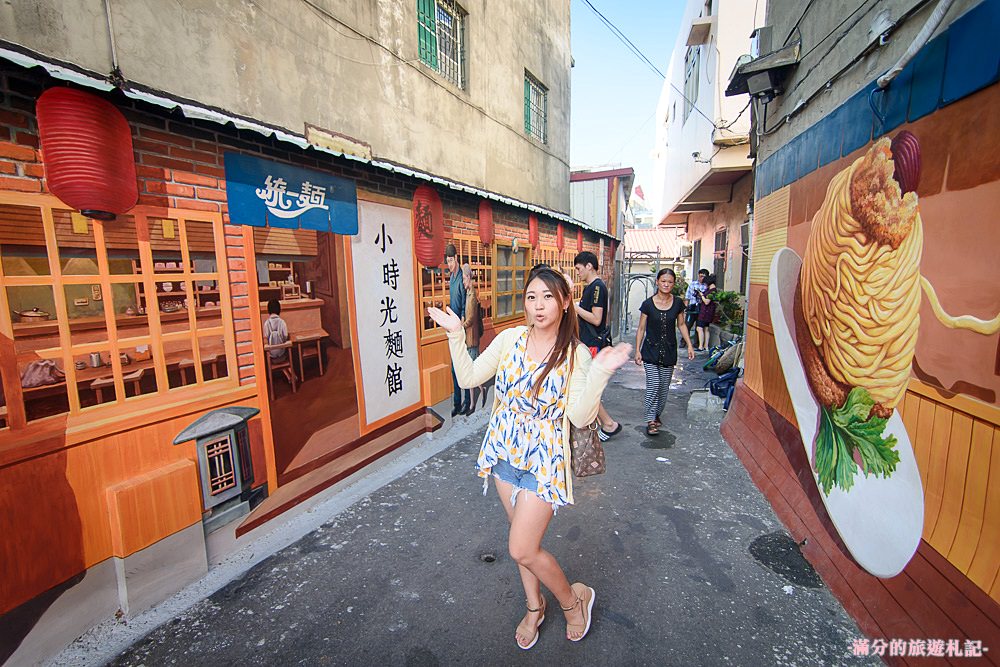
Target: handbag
x,y
587,452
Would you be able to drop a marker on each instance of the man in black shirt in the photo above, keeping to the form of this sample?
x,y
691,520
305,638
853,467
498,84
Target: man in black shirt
x,y
594,332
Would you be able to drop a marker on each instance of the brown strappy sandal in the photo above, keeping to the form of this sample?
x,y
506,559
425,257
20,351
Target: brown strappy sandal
x,y
585,597
534,639
652,428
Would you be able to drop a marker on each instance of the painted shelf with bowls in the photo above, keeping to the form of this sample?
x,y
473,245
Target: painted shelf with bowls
x,y
172,295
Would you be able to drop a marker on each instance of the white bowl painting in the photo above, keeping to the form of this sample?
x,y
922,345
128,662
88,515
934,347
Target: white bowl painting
x,y
880,519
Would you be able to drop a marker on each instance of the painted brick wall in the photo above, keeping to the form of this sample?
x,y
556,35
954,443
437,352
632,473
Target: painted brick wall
x,y
179,163
929,599
177,166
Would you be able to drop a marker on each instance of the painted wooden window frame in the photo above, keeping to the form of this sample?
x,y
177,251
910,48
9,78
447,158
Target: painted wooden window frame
x,y
562,261
17,425
433,290
480,259
523,266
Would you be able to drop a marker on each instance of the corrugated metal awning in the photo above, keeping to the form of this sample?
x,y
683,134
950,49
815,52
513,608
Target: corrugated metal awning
x,y
661,242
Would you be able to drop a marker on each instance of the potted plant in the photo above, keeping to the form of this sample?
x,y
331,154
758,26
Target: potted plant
x,y
729,314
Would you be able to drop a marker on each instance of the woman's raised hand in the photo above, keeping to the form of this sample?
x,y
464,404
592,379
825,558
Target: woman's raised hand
x,y
612,358
446,318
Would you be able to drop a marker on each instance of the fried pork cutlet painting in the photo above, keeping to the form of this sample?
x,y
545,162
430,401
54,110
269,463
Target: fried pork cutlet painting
x,y
846,317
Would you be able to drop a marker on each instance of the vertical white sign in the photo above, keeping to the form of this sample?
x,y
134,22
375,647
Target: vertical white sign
x,y
382,255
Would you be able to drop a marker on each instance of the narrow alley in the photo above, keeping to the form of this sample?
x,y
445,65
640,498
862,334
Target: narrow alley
x,y
689,563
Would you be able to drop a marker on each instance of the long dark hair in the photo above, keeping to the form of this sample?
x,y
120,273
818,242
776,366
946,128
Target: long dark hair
x,y
568,327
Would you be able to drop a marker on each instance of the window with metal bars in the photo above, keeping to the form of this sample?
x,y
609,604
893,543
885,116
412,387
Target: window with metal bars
x,y
441,38
536,105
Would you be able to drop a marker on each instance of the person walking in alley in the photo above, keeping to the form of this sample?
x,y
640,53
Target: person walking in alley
x,y
456,299
545,379
692,299
594,333
706,313
473,325
656,345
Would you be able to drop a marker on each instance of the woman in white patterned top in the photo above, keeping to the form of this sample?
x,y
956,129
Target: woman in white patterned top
x,y
545,379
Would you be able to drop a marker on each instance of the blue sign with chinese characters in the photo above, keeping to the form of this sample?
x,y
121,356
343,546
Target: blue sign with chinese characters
x,y
262,193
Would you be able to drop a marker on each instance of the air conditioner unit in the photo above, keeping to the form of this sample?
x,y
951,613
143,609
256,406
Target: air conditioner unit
x,y
685,250
745,233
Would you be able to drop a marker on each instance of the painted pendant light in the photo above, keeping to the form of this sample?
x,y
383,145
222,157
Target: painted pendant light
x,y
485,222
532,230
579,240
87,149
428,226
560,240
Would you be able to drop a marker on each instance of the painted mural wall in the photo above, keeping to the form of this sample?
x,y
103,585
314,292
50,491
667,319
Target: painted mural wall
x,y
875,283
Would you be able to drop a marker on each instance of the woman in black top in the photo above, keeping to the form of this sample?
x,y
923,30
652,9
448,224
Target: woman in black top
x,y
656,344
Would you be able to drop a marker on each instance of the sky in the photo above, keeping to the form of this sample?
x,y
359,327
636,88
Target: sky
x,y
614,93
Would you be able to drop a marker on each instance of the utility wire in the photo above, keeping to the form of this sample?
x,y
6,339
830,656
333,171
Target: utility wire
x,y
632,138
738,116
639,54
796,26
846,19
624,40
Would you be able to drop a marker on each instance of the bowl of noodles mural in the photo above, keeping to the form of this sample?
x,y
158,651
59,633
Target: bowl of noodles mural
x,y
845,317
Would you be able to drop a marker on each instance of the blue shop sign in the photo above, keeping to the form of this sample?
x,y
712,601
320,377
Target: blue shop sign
x,y
262,193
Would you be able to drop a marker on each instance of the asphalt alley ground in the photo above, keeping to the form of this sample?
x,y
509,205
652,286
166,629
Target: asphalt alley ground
x,y
690,566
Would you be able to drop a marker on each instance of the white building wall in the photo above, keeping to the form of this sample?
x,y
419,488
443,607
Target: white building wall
x,y
589,203
678,138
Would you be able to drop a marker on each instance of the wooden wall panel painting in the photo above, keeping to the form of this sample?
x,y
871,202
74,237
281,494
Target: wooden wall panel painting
x,y
985,566
937,472
760,354
146,507
974,510
950,512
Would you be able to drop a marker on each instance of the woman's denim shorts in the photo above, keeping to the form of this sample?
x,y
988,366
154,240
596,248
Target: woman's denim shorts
x,y
520,479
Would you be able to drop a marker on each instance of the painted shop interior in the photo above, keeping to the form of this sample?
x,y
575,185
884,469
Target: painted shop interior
x,y
820,121
144,387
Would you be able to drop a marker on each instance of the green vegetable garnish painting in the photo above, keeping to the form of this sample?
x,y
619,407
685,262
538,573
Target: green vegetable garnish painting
x,y
846,430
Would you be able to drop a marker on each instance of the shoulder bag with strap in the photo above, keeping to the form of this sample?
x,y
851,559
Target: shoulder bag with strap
x,y
588,454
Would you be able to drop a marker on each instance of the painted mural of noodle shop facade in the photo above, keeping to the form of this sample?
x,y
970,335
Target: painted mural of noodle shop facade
x,y
143,407
869,412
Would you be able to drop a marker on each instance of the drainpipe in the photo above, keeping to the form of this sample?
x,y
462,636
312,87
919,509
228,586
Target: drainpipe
x,y
933,21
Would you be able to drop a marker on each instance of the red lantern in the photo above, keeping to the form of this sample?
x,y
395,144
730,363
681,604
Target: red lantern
x,y
579,240
428,226
560,243
87,149
485,222
532,230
